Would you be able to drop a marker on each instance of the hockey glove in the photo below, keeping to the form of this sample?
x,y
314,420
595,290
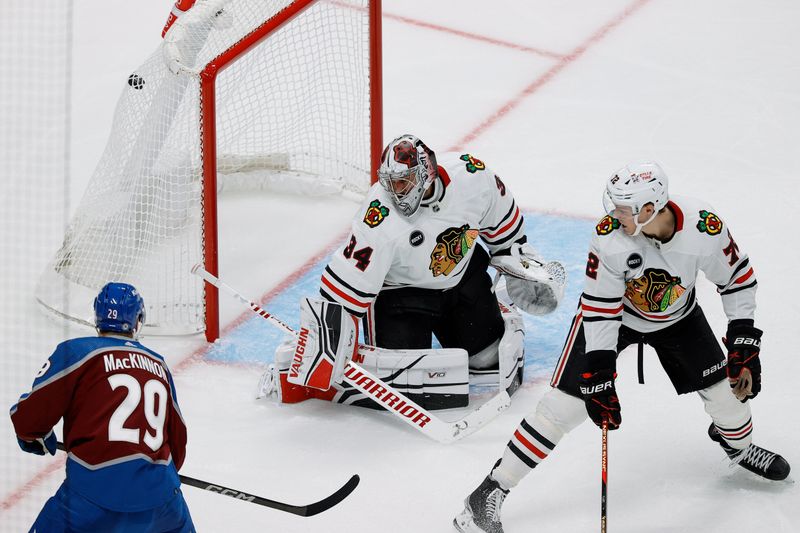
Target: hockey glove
x,y
744,366
601,399
535,286
47,443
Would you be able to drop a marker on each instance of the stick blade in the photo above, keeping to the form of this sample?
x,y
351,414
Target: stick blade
x,y
334,499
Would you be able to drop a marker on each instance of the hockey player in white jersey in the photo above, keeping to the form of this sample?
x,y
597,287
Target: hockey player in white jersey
x,y
640,289
413,266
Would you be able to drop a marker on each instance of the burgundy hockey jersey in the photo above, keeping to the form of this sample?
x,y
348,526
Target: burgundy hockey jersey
x,y
123,428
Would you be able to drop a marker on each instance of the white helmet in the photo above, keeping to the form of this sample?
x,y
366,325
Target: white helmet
x,y
636,185
407,168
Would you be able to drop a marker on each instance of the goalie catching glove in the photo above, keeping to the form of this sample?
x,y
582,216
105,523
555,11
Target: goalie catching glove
x,y
535,286
326,341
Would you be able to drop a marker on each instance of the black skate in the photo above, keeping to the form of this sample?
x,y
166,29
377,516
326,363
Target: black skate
x,y
481,512
754,458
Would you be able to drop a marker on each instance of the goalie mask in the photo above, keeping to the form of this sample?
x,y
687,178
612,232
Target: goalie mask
x,y
635,186
407,168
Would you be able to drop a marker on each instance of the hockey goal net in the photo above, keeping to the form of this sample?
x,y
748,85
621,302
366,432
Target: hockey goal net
x,y
254,94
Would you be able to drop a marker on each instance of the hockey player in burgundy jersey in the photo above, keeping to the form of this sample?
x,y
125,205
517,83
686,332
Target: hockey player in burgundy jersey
x,y
415,265
123,430
640,289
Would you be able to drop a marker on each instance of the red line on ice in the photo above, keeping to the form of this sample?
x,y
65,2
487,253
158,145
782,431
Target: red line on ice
x,y
551,73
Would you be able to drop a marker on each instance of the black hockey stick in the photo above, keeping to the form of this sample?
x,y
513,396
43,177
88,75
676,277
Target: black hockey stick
x,y
300,510
604,491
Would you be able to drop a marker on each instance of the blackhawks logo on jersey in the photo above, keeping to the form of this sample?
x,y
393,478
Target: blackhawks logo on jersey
x,y
606,225
709,223
451,246
375,213
654,291
473,163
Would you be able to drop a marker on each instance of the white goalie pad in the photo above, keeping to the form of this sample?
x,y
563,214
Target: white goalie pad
x,y
326,340
533,285
503,361
434,378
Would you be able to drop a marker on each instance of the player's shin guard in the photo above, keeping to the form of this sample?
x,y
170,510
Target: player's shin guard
x,y
731,417
535,438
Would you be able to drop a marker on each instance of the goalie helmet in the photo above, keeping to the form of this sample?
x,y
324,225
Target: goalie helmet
x,y
636,185
118,308
407,168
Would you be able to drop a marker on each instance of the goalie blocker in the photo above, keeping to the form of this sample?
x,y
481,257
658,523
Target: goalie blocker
x,y
310,365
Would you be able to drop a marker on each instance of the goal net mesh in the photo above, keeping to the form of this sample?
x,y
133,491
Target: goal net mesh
x,y
292,115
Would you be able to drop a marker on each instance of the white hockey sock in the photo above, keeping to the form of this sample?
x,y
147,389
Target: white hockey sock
x,y
556,414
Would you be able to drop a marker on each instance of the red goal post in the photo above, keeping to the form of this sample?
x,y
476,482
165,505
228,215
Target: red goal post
x,y
254,94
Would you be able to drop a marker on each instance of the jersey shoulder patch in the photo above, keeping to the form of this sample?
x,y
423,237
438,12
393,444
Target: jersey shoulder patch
x,y
375,214
709,223
606,225
473,164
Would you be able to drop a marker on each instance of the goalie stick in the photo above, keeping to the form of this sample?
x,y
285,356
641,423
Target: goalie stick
x,y
383,394
310,509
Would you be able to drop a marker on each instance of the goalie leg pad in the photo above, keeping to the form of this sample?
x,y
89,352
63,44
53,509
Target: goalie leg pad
x,y
275,382
504,360
327,339
511,350
435,379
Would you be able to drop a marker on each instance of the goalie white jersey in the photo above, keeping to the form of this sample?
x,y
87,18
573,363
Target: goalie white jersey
x,y
648,285
430,249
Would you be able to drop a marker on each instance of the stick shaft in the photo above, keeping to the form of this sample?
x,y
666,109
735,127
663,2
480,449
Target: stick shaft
x,y
604,489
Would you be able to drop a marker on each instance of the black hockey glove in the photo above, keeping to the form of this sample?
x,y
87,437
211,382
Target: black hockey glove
x,y
744,366
597,388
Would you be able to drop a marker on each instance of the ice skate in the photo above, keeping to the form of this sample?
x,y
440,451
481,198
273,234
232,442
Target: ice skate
x,y
269,384
481,512
754,458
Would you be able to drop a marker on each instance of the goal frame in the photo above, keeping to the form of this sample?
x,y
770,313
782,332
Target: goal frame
x,y
208,125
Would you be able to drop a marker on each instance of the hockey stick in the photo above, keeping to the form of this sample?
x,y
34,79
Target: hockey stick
x,y
300,510
604,489
383,394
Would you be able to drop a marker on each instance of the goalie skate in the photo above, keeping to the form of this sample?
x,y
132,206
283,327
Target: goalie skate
x,y
269,384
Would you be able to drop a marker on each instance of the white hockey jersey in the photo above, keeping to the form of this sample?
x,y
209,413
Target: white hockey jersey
x,y
648,285
431,249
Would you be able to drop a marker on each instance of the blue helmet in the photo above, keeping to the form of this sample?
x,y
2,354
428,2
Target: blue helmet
x,y
118,308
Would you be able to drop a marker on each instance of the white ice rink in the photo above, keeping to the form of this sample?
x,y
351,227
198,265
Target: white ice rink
x,y
554,96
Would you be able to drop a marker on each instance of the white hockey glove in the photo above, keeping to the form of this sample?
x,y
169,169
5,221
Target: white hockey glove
x,y
326,341
535,286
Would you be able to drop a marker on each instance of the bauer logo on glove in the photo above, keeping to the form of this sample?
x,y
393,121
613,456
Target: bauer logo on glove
x,y
327,340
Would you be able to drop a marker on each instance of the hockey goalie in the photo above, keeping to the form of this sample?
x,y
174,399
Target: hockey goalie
x,y
415,266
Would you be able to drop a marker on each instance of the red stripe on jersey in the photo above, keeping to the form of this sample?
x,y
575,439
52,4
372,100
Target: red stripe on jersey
x,y
744,277
614,311
443,175
343,295
567,349
678,215
525,442
504,228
